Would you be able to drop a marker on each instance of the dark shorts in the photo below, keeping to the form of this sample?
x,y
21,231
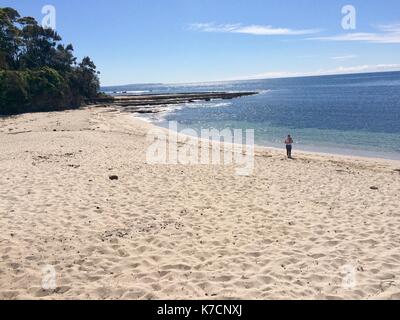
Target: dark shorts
x,y
289,148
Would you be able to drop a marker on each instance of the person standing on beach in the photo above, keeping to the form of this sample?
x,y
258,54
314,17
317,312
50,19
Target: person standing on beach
x,y
289,142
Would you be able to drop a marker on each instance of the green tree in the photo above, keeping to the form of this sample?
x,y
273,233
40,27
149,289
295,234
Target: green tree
x,y
13,92
9,38
38,47
37,72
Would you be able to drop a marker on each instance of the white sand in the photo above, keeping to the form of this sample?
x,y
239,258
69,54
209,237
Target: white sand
x,y
304,229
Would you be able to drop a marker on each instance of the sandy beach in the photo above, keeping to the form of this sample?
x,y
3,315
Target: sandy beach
x,y
317,227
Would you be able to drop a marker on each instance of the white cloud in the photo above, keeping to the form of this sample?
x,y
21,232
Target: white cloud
x,y
366,68
386,34
259,30
343,58
339,70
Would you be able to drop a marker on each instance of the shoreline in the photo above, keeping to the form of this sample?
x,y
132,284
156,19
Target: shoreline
x,y
148,104
282,150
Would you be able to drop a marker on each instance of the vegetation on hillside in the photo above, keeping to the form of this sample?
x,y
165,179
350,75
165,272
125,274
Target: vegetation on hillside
x,y
38,72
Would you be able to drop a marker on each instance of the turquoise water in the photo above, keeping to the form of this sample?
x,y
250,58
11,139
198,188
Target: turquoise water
x,y
346,114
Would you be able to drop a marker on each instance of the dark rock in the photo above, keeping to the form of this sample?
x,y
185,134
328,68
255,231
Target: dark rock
x,y
167,99
374,188
62,290
113,177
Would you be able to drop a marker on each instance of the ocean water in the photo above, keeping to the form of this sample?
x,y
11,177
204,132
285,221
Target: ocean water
x,y
355,114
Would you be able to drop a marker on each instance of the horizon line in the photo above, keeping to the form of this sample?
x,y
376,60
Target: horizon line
x,y
248,79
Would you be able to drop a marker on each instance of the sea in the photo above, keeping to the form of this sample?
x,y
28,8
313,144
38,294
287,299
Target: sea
x,y
353,114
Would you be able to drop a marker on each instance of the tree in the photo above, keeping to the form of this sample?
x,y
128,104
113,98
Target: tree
x,y
9,38
37,72
89,81
38,44
13,92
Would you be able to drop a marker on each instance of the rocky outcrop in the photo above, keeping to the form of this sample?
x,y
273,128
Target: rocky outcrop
x,y
144,103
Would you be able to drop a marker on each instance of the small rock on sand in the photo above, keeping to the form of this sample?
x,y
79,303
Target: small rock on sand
x,y
113,177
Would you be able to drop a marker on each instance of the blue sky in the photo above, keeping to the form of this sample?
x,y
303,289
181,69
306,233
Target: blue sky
x,y
143,41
